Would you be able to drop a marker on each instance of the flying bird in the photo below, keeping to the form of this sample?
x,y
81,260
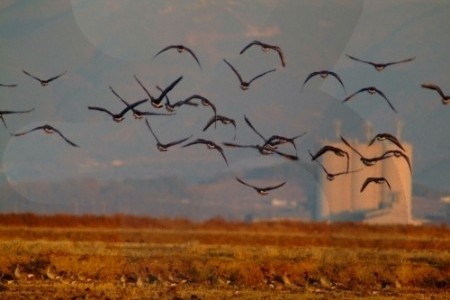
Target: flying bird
x,y
266,47
44,82
377,180
180,49
203,100
396,153
164,147
371,90
8,85
7,112
380,66
245,85
444,98
171,107
222,119
261,190
263,150
323,74
331,176
157,102
47,129
119,117
210,145
337,151
137,113
389,137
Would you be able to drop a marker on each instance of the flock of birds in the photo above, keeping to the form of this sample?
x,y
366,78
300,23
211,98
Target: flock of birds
x,y
269,145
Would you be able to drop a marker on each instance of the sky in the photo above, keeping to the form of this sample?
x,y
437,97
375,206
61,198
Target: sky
x,y
106,43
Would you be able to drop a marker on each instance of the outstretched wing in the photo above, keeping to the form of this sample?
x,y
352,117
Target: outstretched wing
x,y
385,98
234,70
28,131
165,49
260,75
253,128
66,139
194,56
360,60
399,62
249,45
55,77
434,87
274,186
37,78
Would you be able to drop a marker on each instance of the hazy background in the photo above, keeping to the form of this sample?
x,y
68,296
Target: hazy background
x,y
118,168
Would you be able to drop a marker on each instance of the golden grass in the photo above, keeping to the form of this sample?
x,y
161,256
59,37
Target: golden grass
x,y
219,260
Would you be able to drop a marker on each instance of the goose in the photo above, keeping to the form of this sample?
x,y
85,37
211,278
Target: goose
x,y
118,117
263,150
7,112
337,151
47,129
331,176
210,145
157,102
323,74
444,98
266,47
164,147
224,120
377,180
387,136
261,190
380,66
44,82
137,113
371,90
245,85
180,49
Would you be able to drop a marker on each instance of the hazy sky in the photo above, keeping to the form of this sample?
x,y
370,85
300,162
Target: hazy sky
x,y
105,43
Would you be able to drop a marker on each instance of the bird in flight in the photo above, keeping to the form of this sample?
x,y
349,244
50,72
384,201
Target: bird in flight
x,y
371,90
203,100
164,147
337,151
380,66
261,190
444,98
263,150
331,176
8,85
137,113
47,129
396,153
389,137
171,107
7,112
210,145
377,180
119,117
266,47
44,82
222,119
157,102
180,49
245,85
323,74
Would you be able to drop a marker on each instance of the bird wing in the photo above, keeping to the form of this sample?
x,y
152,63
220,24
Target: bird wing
x,y
366,182
218,148
360,60
55,77
350,146
8,85
260,75
66,139
434,87
4,112
288,156
311,75
234,70
194,56
249,45
132,106
253,128
165,49
245,183
335,75
37,78
399,62
25,132
280,54
210,122
101,109
274,186
177,142
352,95
168,89
385,98
117,95
143,87
151,131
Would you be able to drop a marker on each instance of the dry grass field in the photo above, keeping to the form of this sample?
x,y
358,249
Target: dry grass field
x,y
125,257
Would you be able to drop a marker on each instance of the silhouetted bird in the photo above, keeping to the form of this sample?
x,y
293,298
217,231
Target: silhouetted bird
x,y
222,119
266,47
44,82
156,102
371,90
377,180
444,98
119,117
331,176
137,113
171,107
323,74
47,129
337,151
398,154
380,66
164,147
210,145
180,49
261,190
8,85
246,84
7,112
387,136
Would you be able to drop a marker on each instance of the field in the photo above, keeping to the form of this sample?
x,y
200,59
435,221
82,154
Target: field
x,y
126,257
